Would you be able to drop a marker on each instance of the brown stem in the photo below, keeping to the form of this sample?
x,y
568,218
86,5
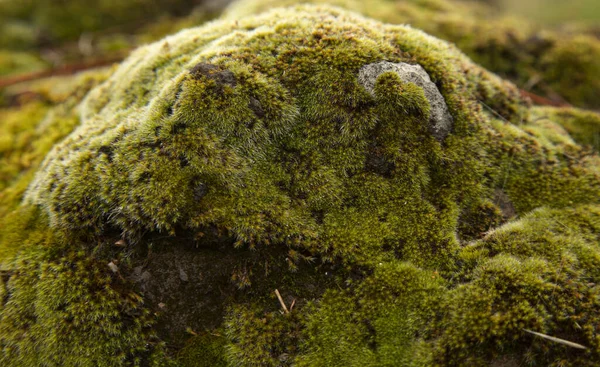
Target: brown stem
x,y
67,69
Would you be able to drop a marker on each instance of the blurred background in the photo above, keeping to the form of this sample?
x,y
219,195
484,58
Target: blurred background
x,y
553,12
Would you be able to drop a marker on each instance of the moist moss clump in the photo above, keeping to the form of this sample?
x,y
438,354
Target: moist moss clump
x,y
63,308
261,136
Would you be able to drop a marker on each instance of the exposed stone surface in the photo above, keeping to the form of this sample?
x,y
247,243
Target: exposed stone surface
x,y
440,120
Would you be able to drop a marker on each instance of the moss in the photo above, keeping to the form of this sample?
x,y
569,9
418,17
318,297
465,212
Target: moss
x,y
244,112
549,62
381,321
31,23
522,273
14,62
27,133
206,350
582,126
539,164
257,136
573,67
17,134
57,300
537,273
257,338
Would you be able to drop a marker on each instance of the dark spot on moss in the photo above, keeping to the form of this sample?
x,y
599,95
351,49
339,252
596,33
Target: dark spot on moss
x,y
178,128
200,190
106,150
256,107
378,164
144,177
183,161
506,206
213,72
319,216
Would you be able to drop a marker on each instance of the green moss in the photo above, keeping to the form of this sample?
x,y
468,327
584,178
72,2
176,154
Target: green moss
x,y
284,158
14,62
538,164
29,23
549,62
258,135
257,338
582,126
537,273
67,309
206,350
27,134
382,321
16,135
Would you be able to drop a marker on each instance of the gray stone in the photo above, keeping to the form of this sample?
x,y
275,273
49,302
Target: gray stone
x,y
440,120
182,275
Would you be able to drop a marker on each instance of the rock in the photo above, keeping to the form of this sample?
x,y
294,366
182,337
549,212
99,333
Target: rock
x,y
440,120
182,275
113,267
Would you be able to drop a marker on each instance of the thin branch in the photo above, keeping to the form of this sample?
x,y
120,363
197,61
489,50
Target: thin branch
x,y
67,69
556,340
285,309
543,101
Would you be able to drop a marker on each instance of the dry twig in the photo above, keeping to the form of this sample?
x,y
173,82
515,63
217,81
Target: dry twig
x,y
556,340
285,309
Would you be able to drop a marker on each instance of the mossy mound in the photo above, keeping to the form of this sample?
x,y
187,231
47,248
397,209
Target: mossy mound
x,y
559,64
302,150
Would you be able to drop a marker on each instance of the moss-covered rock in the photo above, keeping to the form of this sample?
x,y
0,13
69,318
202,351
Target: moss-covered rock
x,y
262,152
559,64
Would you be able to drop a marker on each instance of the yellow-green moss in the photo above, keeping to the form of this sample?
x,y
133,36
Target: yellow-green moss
x,y
29,23
27,134
537,274
14,62
65,309
238,137
206,350
582,126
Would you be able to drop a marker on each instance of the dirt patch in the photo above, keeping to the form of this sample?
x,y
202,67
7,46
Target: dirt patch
x,y
191,284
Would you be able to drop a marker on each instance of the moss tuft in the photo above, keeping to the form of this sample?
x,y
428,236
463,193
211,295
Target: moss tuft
x,y
55,301
206,350
582,126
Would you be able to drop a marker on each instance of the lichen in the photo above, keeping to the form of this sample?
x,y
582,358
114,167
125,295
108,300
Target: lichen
x,y
254,145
